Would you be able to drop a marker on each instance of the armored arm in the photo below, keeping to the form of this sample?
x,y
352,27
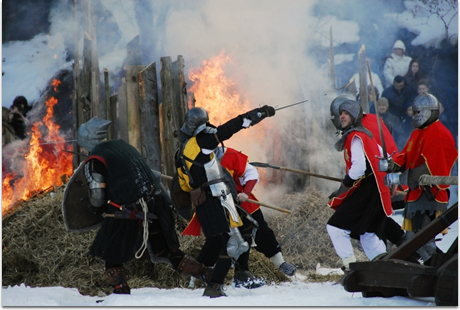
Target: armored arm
x,y
95,173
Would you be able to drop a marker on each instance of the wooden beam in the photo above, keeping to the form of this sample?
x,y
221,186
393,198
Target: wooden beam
x,y
363,79
122,112
132,97
170,121
149,117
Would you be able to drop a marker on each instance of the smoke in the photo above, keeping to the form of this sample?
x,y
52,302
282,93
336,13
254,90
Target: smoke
x,y
279,55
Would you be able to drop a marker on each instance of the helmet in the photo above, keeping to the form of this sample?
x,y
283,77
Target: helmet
x,y
195,121
335,104
354,109
92,132
427,107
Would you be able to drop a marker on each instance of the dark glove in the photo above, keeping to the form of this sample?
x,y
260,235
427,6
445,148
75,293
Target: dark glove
x,y
338,192
259,114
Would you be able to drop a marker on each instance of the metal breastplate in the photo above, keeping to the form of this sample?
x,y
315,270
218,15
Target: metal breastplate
x,y
214,173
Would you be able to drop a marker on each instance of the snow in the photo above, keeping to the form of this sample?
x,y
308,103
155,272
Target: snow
x,y
29,65
294,293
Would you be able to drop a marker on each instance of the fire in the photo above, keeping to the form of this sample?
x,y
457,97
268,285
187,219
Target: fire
x,y
55,84
216,93
220,97
43,165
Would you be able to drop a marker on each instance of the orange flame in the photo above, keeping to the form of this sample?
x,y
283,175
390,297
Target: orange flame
x,y
55,84
216,93
43,166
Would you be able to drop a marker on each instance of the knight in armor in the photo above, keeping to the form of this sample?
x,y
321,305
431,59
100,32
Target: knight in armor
x,y
362,202
201,175
429,150
138,218
392,231
246,177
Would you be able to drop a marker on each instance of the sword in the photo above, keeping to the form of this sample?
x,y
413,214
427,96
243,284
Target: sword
x,y
290,105
259,114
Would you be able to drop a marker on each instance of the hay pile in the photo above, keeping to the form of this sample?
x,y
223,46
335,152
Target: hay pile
x,y
39,252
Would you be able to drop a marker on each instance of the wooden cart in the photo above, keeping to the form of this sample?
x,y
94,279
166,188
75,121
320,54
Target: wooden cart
x,y
396,274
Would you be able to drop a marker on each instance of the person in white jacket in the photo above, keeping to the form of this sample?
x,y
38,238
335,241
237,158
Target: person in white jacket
x,y
396,64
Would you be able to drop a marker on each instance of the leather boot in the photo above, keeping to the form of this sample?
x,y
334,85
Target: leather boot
x,y
246,279
188,266
117,278
214,290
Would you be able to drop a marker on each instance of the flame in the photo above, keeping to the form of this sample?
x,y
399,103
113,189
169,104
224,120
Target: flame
x,y
216,93
43,165
55,83
220,97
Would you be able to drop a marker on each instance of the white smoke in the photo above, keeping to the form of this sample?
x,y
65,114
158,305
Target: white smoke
x,y
279,49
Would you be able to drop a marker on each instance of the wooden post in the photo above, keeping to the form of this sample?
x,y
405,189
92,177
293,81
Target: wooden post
x,y
107,100
133,50
112,115
170,122
363,79
76,106
122,113
182,89
149,117
331,60
132,97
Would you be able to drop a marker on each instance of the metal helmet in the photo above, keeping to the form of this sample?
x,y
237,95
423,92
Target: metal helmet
x,y
335,104
92,132
195,121
354,109
427,107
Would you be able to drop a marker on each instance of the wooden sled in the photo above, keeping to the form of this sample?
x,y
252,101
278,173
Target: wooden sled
x,y
393,273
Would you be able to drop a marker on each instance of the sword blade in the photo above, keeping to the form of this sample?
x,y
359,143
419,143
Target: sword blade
x,y
290,105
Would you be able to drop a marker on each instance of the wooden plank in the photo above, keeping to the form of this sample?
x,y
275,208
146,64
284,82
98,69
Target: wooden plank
x,y
107,100
149,117
182,94
132,98
122,114
76,107
425,234
331,60
133,51
170,121
113,129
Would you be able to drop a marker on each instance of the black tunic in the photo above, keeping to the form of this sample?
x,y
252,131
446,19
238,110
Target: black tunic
x,y
211,214
128,178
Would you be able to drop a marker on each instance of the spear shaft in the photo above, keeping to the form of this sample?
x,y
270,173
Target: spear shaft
x,y
265,165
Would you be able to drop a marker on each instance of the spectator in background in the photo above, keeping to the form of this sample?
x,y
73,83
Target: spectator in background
x,y
399,95
413,76
407,122
18,120
396,64
423,86
371,99
397,129
8,133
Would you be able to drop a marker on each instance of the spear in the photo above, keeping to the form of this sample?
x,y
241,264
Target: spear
x,y
268,206
249,200
265,165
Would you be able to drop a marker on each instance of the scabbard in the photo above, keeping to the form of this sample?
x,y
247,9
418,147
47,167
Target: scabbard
x,y
128,215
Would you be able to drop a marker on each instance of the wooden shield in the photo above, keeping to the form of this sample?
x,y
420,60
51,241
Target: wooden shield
x,y
77,217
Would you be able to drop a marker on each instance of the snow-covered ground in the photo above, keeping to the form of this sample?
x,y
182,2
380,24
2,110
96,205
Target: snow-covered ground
x,y
295,293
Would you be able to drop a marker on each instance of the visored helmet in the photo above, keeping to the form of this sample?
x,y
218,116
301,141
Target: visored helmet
x,y
426,110
195,121
335,104
92,132
354,109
